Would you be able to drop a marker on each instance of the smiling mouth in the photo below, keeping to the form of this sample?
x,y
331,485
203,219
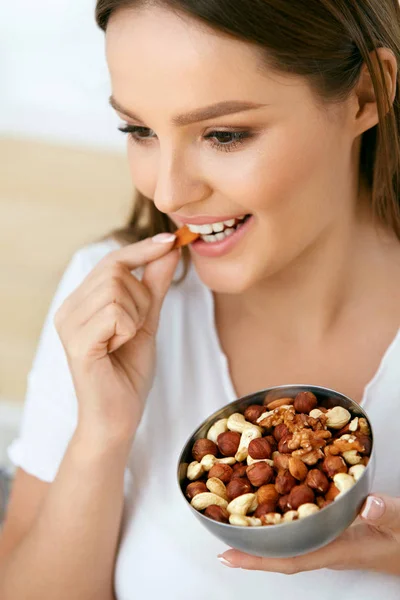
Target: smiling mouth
x,y
216,232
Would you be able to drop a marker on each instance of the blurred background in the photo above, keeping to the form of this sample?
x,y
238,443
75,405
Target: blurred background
x,y
64,180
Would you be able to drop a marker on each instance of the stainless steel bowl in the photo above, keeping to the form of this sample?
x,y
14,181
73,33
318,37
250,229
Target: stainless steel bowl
x,y
297,537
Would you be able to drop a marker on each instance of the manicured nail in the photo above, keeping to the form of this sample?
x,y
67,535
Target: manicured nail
x,y
225,562
374,508
164,238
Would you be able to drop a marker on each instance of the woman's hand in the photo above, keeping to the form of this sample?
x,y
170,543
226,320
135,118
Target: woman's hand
x,y
108,327
372,543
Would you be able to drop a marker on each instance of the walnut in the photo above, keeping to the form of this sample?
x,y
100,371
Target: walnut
x,y
309,456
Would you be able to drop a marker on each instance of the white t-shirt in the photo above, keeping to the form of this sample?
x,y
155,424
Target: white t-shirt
x,y
165,552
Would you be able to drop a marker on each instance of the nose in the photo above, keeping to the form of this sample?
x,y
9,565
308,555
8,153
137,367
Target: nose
x,y
178,184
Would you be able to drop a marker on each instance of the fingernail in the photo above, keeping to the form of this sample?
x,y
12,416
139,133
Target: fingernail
x,y
225,562
374,508
164,238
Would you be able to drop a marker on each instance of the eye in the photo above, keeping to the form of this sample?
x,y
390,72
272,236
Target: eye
x,y
225,141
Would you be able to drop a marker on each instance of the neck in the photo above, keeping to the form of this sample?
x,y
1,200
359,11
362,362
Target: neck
x,y
306,299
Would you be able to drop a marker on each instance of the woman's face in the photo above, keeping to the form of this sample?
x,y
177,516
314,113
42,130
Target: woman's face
x,y
287,162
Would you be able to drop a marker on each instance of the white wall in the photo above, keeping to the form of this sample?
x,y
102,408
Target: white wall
x,y
53,78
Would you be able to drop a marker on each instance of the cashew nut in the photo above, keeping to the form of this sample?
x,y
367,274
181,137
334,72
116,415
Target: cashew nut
x,y
209,460
343,482
356,471
195,470
352,457
291,515
240,505
252,461
337,417
272,519
264,415
206,499
242,521
216,486
251,432
306,510
237,422
216,429
316,413
354,424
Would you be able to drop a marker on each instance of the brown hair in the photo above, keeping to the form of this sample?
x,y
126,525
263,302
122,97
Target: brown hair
x,y
326,41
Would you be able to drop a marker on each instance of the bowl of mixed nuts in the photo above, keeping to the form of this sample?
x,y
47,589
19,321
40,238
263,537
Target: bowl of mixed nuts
x,y
280,472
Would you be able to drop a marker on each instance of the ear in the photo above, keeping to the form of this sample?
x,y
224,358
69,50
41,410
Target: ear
x,y
367,115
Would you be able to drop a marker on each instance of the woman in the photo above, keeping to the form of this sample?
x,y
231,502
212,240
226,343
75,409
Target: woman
x,y
303,288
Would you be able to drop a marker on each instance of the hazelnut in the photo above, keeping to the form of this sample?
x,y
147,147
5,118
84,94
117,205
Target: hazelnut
x,y
322,503
260,474
203,447
297,468
316,480
305,402
333,465
222,472
239,470
197,487
366,443
265,508
238,487
283,503
280,431
260,448
228,442
272,441
266,493
253,412
332,492
283,446
284,482
301,494
278,403
281,461
217,513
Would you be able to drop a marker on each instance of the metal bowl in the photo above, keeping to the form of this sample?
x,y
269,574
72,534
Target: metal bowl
x,y
296,537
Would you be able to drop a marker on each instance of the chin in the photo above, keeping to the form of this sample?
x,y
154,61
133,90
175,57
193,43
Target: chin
x,y
223,278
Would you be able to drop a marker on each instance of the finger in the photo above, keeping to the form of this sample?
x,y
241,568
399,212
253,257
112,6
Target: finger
x,y
141,253
382,511
105,332
342,553
157,277
119,264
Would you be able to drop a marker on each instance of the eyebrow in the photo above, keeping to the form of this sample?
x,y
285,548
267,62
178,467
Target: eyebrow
x,y
227,107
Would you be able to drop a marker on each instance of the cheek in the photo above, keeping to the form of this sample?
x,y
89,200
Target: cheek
x,y
141,170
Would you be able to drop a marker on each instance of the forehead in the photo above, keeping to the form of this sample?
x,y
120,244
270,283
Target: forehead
x,y
154,54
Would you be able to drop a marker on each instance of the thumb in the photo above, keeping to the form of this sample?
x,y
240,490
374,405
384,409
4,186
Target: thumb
x,y
382,511
157,277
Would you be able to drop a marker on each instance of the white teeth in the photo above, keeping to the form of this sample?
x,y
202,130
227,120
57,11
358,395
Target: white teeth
x,y
217,227
208,238
228,232
230,223
220,236
194,228
205,229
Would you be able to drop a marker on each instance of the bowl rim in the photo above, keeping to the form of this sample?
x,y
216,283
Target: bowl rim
x,y
214,416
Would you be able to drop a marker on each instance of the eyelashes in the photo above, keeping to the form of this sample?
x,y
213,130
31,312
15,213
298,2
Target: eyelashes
x,y
227,141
